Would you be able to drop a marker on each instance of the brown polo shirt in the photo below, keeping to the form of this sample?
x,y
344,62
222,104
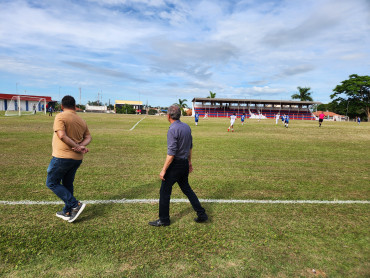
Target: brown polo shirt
x,y
75,128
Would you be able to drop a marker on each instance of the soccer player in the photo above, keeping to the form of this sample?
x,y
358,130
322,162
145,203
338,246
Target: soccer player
x,y
232,121
321,118
358,120
286,121
277,117
242,118
206,116
176,168
196,117
283,119
71,136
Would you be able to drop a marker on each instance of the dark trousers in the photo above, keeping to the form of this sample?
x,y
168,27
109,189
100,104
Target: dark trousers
x,y
63,170
177,172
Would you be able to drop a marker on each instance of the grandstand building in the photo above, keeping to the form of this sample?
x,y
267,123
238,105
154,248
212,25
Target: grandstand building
x,y
27,102
253,108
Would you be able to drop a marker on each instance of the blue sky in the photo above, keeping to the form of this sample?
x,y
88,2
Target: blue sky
x,y
161,50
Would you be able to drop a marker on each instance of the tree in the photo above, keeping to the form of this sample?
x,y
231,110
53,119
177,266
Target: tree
x,y
182,105
211,95
354,95
125,109
152,111
303,95
95,103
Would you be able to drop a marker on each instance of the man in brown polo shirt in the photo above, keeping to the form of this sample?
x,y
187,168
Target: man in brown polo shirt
x,y
71,136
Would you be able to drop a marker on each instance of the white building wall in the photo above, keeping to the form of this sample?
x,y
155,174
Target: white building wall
x,y
30,105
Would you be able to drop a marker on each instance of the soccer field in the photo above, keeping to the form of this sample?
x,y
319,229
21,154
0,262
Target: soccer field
x,y
259,161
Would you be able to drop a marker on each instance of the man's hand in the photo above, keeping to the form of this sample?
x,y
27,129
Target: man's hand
x,y
161,175
81,149
190,167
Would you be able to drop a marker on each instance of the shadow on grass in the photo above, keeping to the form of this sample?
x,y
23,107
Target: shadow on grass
x,y
189,210
93,211
139,191
229,189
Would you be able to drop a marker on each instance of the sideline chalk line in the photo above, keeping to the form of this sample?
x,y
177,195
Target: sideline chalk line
x,y
225,201
132,128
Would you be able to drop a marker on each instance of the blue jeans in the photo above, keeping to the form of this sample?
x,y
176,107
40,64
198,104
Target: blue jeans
x,y
62,169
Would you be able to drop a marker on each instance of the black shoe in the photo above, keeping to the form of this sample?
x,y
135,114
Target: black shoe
x,y
158,223
201,219
64,216
76,212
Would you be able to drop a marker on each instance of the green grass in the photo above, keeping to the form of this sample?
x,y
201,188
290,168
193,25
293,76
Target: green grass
x,y
260,160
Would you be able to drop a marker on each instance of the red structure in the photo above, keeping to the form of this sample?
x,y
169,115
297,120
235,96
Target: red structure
x,y
6,98
253,108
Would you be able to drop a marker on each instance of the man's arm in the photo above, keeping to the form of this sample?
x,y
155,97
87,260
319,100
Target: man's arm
x,y
82,145
189,158
167,164
64,137
81,148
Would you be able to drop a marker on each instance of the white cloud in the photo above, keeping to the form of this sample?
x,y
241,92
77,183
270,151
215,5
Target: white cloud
x,y
236,48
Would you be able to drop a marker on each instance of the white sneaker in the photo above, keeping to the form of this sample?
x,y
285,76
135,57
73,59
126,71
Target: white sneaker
x,y
76,212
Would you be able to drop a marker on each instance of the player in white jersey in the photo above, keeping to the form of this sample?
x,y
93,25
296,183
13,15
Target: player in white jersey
x,y
277,117
232,121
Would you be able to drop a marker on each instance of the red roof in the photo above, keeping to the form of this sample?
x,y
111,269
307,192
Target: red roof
x,y
327,113
24,97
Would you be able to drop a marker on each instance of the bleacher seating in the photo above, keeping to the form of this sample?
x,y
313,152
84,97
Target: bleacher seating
x,y
270,114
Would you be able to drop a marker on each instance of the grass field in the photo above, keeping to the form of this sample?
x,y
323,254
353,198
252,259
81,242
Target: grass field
x,y
260,160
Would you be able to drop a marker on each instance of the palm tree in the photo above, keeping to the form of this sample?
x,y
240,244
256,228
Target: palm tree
x,y
211,95
303,95
182,105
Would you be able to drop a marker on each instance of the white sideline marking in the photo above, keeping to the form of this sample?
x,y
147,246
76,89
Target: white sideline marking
x,y
132,128
150,201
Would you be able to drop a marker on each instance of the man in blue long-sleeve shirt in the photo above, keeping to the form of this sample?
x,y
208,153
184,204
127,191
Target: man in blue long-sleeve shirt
x,y
177,168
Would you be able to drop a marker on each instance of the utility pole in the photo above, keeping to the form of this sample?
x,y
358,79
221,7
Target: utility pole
x,y
80,97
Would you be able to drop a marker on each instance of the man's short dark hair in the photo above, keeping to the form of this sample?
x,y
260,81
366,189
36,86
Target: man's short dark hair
x,y
69,102
175,112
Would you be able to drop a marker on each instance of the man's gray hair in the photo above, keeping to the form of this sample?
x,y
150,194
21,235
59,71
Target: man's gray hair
x,y
174,111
